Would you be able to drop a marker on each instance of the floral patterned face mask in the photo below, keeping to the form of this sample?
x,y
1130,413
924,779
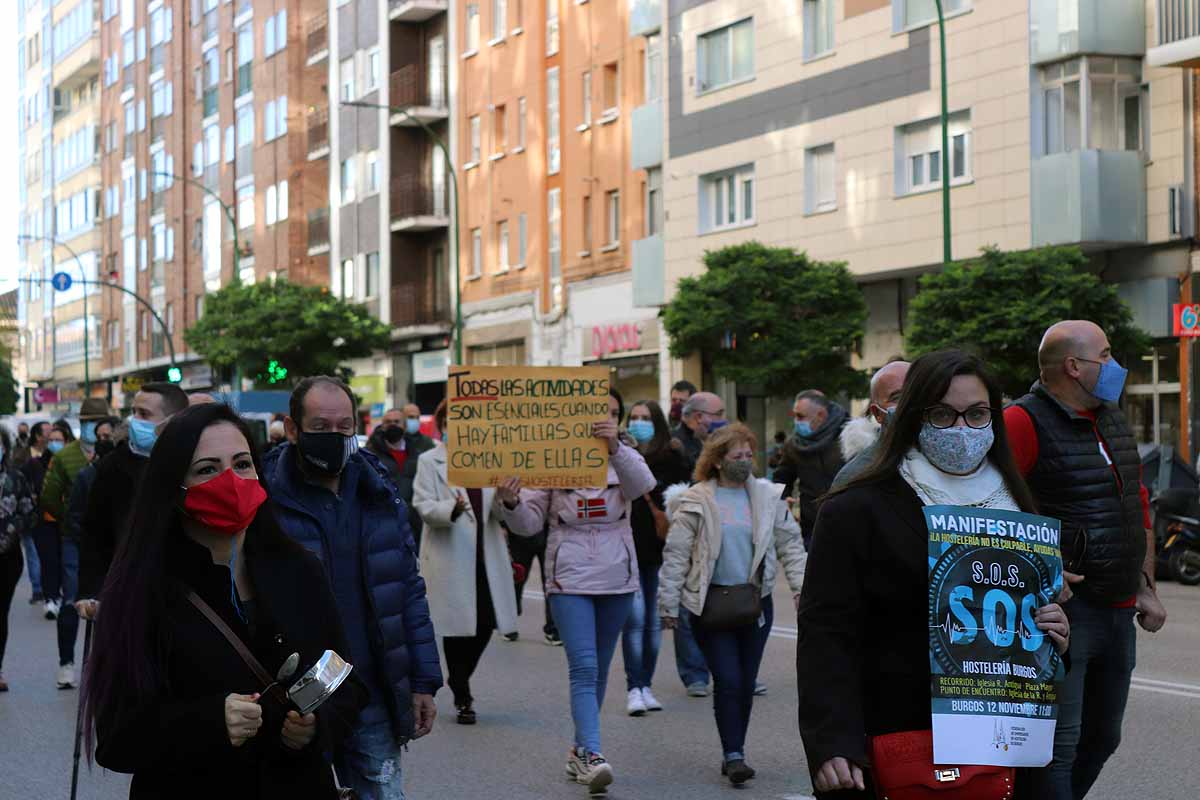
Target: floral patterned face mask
x,y
957,451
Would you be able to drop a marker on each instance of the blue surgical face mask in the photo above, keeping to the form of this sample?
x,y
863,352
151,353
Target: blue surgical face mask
x,y
412,426
641,429
803,428
717,424
142,435
1110,382
55,446
87,432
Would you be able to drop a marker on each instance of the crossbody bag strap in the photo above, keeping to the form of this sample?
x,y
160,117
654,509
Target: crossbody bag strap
x,y
253,663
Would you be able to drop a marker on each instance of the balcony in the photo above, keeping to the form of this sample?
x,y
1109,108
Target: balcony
x,y
649,284
419,303
422,101
418,205
416,10
318,133
318,231
645,17
647,135
316,38
1090,197
1093,27
80,65
1177,34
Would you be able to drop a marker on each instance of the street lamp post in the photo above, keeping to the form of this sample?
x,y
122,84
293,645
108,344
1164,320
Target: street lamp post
x,y
946,249
87,375
437,140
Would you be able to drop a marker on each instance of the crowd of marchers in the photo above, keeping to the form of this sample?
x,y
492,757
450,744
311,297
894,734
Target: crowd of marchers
x,y
215,573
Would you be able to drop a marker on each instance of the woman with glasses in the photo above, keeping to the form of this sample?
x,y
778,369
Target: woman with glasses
x,y
862,659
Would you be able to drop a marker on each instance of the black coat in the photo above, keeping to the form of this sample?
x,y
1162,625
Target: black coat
x,y
109,506
669,467
862,654
809,467
403,477
176,744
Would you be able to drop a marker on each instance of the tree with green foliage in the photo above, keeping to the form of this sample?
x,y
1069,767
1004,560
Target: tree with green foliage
x,y
278,333
999,305
771,317
9,391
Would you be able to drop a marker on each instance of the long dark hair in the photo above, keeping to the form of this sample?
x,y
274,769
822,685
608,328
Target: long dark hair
x,y
660,444
127,668
928,381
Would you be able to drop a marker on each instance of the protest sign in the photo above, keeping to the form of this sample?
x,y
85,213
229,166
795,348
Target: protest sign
x,y
994,693
530,422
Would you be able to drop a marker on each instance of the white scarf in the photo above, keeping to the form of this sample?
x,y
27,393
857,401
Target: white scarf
x,y
983,488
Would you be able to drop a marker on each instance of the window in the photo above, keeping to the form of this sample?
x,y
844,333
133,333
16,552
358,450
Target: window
x,y
275,33
725,56
472,33
587,98
499,19
372,173
522,110
522,238
553,152
613,217
275,119
917,13
551,27
727,199
502,246
499,130
818,27
271,203
554,243
371,275
612,89
282,201
245,55
920,146
475,140
820,180
654,201
1114,119
212,145
652,89
245,127
162,101
245,207
347,279
346,71
587,225
476,253
373,69
349,174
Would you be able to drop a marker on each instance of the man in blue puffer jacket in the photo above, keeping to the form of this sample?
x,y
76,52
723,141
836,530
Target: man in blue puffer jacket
x,y
338,502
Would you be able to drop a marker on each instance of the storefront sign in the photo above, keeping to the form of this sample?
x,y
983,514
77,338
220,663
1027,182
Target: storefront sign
x,y
994,673
530,422
46,394
197,377
1186,319
622,338
431,367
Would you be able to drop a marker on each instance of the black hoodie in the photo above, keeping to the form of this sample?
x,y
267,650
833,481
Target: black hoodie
x,y
809,466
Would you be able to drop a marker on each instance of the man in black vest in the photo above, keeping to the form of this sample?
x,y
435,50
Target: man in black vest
x,y
1076,450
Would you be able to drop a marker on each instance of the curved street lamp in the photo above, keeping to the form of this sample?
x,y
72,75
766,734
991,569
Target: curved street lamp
x,y
87,375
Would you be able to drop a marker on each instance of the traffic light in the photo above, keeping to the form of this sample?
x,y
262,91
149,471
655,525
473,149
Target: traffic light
x,y
174,374
276,372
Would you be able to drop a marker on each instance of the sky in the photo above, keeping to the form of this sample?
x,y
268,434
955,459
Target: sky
x,y
9,157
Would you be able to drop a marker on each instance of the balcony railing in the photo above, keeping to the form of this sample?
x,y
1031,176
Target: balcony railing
x,y
419,303
318,228
318,130
408,89
1178,20
316,35
413,198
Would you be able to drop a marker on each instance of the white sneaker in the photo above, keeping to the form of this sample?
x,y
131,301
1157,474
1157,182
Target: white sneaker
x,y
635,706
66,677
52,607
650,700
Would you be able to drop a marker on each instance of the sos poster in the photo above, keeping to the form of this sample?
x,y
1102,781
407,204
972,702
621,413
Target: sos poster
x,y
994,693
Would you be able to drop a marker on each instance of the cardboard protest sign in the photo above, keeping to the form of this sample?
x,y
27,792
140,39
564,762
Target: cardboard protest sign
x,y
531,422
994,692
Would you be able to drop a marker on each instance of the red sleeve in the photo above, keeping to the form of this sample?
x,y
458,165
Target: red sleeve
x,y
1145,495
1022,438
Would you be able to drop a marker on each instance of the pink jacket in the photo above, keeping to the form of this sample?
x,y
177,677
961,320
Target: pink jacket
x,y
590,548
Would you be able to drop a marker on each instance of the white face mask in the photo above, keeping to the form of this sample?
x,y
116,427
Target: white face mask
x,y
957,451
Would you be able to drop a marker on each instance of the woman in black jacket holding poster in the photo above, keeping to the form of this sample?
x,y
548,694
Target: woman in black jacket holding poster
x,y
862,655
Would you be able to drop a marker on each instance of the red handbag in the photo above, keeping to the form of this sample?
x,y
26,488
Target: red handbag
x,y
904,770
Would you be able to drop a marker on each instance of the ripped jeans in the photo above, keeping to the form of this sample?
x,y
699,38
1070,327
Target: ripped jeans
x,y
369,763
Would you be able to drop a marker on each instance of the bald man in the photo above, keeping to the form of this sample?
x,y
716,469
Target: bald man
x,y
398,442
1076,450
860,437
703,412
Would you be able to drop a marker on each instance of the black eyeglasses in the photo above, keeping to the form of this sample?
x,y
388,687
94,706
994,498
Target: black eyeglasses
x,y
943,416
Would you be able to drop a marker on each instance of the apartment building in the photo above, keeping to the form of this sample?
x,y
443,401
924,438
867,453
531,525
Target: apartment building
x,y
815,124
391,193
552,201
58,194
205,167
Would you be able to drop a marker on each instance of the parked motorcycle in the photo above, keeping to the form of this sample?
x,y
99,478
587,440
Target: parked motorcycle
x,y
1177,534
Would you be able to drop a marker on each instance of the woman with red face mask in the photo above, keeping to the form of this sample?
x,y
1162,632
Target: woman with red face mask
x,y
168,695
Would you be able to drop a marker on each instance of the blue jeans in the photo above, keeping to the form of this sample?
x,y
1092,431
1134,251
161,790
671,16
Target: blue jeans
x,y
688,659
369,762
1091,701
642,636
589,626
31,562
68,617
734,658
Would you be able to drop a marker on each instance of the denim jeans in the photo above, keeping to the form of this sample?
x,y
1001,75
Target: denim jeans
x,y
642,636
68,617
48,542
688,659
589,626
1091,701
32,564
734,658
369,762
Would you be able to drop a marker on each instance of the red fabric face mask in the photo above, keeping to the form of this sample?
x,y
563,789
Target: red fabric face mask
x,y
226,504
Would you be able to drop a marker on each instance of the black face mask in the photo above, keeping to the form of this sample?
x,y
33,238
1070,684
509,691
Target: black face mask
x,y
393,434
326,453
104,447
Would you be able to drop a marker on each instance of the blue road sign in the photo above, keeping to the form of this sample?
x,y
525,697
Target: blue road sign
x,y
61,281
